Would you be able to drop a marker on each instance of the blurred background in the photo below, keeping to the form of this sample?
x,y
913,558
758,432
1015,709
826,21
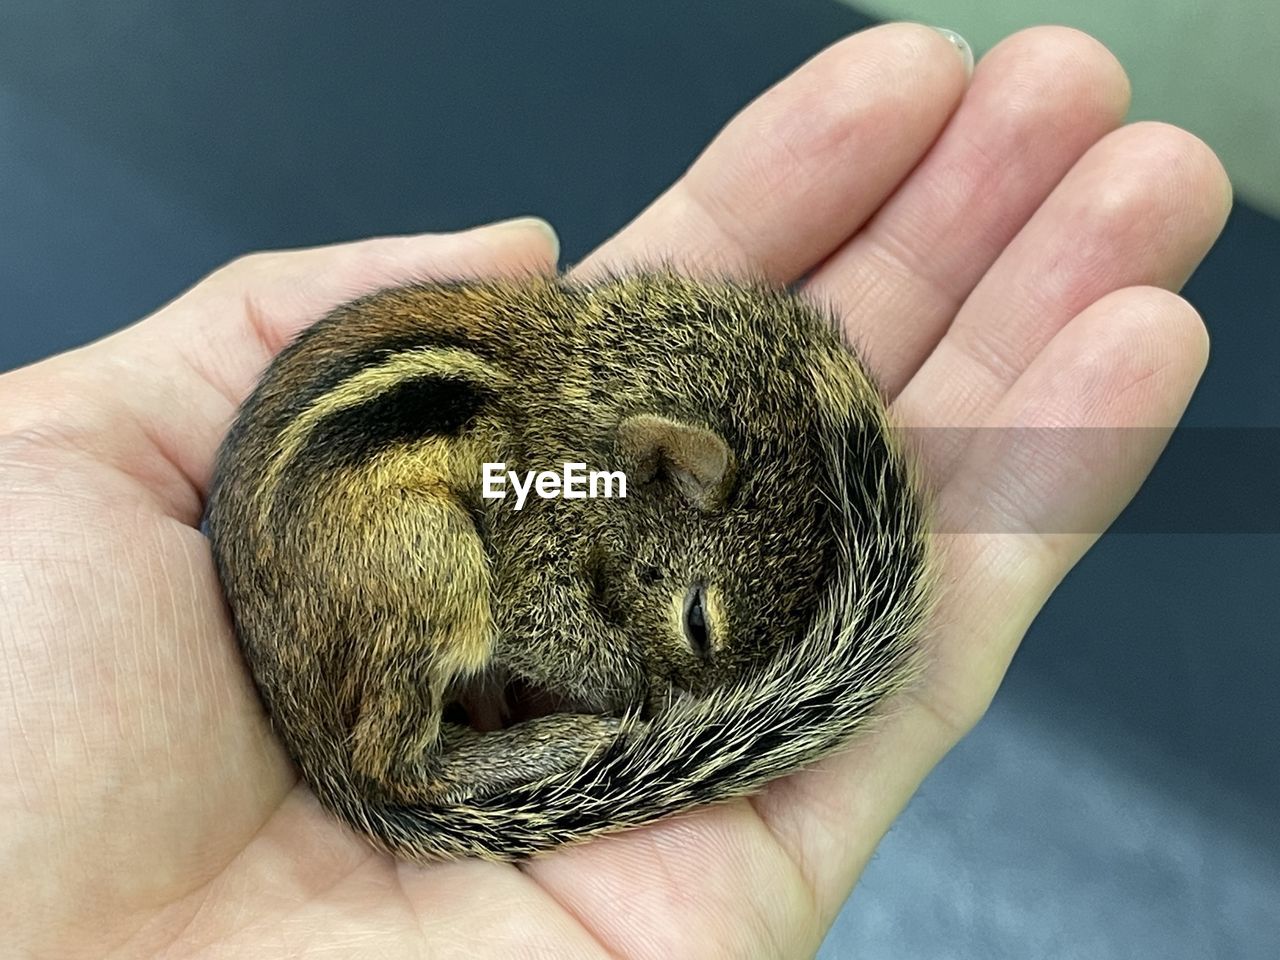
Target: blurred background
x,y
1122,798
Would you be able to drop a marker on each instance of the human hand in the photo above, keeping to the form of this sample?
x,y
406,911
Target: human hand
x,y
1003,255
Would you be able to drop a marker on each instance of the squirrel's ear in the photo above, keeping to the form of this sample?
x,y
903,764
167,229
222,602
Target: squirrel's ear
x,y
696,460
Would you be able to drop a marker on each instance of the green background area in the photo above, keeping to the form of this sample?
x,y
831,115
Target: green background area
x,y
1213,68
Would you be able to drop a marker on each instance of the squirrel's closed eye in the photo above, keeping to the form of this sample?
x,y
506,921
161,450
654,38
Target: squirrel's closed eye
x,y
697,626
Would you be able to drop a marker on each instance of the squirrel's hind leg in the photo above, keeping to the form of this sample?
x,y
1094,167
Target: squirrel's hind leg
x,y
399,724
470,765
407,755
410,656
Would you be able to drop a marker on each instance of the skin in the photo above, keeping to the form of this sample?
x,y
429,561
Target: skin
x,y
1006,255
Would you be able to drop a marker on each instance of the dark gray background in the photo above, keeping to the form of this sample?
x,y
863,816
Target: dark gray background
x,y
1120,800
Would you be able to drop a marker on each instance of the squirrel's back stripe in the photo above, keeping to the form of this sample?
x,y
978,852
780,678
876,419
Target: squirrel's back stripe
x,y
333,370
410,394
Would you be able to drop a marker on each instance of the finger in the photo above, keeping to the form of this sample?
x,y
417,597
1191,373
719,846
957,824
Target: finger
x,y
1126,364
1142,207
277,293
1061,454
155,399
1038,100
804,165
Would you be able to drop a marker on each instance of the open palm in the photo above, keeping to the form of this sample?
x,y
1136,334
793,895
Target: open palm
x,y
1001,251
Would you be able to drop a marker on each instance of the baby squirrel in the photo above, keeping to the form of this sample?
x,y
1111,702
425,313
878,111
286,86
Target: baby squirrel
x,y
455,677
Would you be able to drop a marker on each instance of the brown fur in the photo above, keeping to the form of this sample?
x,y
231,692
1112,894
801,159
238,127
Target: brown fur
x,y
374,591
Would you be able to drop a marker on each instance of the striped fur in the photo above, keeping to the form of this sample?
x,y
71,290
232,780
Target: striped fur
x,y
373,589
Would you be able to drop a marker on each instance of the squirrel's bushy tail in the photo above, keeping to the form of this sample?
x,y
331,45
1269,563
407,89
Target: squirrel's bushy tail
x,y
804,703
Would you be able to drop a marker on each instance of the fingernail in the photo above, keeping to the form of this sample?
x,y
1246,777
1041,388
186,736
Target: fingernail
x,y
530,223
962,47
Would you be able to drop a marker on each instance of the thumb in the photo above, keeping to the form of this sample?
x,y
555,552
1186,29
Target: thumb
x,y
154,400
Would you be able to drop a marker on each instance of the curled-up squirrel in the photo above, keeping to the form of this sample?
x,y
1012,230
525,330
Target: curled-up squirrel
x,y
457,677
